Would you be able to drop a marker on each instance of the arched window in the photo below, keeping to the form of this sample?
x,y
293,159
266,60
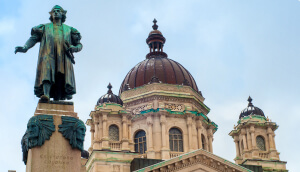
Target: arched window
x,y
260,142
203,141
113,133
140,142
175,139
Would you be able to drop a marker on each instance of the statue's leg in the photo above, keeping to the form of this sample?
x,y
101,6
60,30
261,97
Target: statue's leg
x,y
46,88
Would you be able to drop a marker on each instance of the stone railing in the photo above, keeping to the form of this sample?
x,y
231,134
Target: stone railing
x,y
263,155
175,154
115,145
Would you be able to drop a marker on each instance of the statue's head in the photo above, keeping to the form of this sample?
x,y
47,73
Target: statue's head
x,y
73,129
58,12
33,128
39,129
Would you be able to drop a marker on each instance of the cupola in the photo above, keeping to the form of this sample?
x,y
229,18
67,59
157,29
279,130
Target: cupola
x,y
109,97
157,67
251,110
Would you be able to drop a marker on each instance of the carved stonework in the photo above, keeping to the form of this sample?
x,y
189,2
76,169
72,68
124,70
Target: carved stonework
x,y
39,129
174,107
193,102
139,109
73,129
178,89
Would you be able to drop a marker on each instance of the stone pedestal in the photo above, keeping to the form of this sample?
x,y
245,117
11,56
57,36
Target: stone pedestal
x,y
56,154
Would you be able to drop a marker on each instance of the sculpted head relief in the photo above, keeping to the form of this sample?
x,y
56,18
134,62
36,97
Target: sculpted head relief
x,y
73,129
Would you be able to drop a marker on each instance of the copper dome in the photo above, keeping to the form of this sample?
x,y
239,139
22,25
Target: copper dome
x,y
157,67
109,97
251,110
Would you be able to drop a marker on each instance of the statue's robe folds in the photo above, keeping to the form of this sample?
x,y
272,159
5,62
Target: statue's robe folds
x,y
54,66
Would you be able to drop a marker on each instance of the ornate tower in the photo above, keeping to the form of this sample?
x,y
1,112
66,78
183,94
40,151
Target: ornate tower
x,y
168,114
254,140
111,143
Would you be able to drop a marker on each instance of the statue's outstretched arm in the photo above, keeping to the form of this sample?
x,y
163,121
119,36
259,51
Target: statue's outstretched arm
x,y
36,34
29,44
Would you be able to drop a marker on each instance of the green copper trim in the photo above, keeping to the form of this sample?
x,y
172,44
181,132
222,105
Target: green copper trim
x,y
206,119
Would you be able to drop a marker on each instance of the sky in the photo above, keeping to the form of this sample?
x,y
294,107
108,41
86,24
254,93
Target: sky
x,y
232,48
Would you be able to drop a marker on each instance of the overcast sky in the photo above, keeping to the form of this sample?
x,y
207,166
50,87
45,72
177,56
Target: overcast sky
x,y
232,48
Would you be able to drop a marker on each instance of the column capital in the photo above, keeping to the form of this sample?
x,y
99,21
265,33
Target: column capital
x,y
149,120
189,120
163,119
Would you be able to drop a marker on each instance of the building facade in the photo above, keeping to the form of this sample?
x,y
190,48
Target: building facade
x,y
159,114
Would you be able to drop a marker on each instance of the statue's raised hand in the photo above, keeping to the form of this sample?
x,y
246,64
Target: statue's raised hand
x,y
20,49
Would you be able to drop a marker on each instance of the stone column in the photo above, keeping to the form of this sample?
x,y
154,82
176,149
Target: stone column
x,y
199,127
236,141
125,143
249,139
270,135
105,140
253,137
210,139
157,133
255,153
243,132
96,144
131,142
165,153
189,124
92,130
206,143
150,152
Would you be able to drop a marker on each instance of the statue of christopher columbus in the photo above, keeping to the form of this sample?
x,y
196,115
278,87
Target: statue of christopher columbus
x,y
54,75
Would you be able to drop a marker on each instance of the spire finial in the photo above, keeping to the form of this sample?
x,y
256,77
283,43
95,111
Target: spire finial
x,y
250,101
109,88
154,26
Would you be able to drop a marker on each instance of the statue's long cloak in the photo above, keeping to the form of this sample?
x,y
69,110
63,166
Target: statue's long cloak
x,y
53,64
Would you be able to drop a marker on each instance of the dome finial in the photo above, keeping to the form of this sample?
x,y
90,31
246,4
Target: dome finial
x,y
109,88
154,26
250,101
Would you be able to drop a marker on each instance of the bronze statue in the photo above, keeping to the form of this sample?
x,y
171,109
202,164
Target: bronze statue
x,y
55,75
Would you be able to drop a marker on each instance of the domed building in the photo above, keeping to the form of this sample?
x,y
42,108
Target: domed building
x,y
254,138
159,121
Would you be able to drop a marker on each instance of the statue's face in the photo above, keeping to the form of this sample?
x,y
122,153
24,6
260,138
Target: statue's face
x,y
33,130
80,136
56,14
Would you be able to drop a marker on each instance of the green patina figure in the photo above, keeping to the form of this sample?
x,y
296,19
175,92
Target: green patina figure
x,y
73,129
55,75
39,129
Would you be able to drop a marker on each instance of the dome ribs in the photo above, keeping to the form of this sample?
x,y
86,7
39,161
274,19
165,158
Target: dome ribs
x,y
178,72
192,80
136,73
176,81
140,79
149,72
165,73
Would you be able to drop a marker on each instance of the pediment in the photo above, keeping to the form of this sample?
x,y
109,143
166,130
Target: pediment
x,y
195,161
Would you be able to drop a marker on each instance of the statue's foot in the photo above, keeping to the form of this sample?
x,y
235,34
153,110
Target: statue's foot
x,y
44,99
69,97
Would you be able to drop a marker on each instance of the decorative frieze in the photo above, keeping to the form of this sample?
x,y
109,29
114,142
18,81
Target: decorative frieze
x,y
175,107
